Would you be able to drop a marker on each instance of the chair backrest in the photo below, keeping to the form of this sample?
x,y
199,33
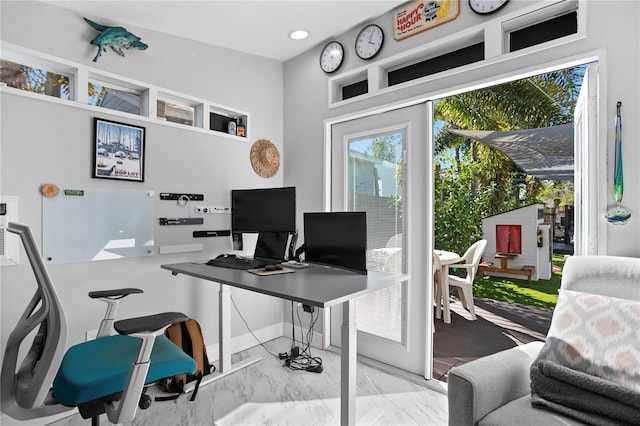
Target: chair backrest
x,y
437,267
437,264
394,262
611,276
395,241
25,389
473,256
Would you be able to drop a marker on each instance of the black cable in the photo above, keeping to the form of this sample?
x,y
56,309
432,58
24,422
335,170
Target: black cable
x,y
247,325
304,360
293,330
312,323
305,349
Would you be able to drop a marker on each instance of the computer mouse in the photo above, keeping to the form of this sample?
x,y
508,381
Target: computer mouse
x,y
273,267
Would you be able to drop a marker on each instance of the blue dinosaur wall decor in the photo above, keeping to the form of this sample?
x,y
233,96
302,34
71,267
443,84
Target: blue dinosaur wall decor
x,y
117,38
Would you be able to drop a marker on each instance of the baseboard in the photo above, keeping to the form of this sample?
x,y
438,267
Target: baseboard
x,y
301,333
247,340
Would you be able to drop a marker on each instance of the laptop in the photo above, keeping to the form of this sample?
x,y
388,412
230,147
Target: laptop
x,y
271,247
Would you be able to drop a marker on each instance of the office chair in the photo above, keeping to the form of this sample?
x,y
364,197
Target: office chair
x,y
106,375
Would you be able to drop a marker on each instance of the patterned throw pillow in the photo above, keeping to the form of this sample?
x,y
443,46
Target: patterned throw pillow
x,y
597,335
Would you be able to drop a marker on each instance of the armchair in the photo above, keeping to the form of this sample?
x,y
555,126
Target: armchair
x,y
105,375
496,389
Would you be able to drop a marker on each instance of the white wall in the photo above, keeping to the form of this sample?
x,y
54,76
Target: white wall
x,y
288,105
47,142
612,35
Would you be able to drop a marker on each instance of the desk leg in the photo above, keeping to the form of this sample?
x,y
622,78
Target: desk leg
x,y
224,325
444,282
348,358
224,343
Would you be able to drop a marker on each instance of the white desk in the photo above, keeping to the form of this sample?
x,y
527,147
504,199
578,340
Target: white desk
x,y
317,286
446,258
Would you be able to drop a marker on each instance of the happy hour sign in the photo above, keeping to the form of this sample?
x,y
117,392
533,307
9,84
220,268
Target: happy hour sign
x,y
419,16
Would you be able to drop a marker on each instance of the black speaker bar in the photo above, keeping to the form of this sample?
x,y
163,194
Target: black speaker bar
x,y
221,233
181,221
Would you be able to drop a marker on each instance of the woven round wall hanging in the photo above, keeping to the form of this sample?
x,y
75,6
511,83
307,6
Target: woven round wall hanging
x,y
265,158
50,190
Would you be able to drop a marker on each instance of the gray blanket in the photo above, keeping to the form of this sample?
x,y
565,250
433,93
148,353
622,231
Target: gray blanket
x,y
587,398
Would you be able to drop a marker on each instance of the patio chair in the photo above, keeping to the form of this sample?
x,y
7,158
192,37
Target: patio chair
x,y
106,375
395,241
437,268
471,259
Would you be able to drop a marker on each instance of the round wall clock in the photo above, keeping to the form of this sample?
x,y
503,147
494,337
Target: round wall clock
x,y
484,7
331,56
369,41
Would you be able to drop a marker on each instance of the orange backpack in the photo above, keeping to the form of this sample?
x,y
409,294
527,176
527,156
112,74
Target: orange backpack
x,y
187,335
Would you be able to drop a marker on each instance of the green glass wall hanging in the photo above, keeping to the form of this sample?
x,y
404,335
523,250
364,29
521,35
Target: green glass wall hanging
x,y
618,215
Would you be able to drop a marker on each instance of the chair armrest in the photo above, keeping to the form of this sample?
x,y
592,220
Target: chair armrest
x,y
117,293
145,328
112,299
149,323
462,265
481,386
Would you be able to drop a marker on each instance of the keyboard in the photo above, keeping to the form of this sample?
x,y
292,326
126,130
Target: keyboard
x,y
233,262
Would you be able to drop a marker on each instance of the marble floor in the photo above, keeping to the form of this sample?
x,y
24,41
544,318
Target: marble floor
x,y
266,393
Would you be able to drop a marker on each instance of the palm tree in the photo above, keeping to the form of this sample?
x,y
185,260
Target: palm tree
x,y
485,181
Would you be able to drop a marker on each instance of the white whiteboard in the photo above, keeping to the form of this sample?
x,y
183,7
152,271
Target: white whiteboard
x,y
98,225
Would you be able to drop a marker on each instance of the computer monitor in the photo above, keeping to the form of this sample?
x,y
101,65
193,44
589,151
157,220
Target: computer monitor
x,y
336,239
263,210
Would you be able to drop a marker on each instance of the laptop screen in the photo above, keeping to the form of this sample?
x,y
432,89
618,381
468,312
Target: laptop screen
x,y
271,246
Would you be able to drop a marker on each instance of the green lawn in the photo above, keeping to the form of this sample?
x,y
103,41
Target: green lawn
x,y
541,293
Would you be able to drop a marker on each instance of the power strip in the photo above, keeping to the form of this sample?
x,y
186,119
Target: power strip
x,y
211,209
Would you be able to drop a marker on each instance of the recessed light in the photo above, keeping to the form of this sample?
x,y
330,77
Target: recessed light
x,y
298,34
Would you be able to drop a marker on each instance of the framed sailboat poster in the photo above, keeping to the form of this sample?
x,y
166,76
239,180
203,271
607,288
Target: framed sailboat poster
x,y
118,151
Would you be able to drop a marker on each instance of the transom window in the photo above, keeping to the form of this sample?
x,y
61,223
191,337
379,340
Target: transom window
x,y
34,80
112,97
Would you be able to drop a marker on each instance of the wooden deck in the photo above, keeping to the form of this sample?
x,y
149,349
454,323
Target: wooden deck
x,y
499,326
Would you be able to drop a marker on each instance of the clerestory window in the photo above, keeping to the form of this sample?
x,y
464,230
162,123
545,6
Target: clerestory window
x,y
114,97
35,80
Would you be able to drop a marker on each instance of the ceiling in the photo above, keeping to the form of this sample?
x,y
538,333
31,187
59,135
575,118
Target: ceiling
x,y
258,27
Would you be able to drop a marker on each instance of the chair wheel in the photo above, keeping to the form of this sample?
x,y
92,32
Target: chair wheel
x,y
145,401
